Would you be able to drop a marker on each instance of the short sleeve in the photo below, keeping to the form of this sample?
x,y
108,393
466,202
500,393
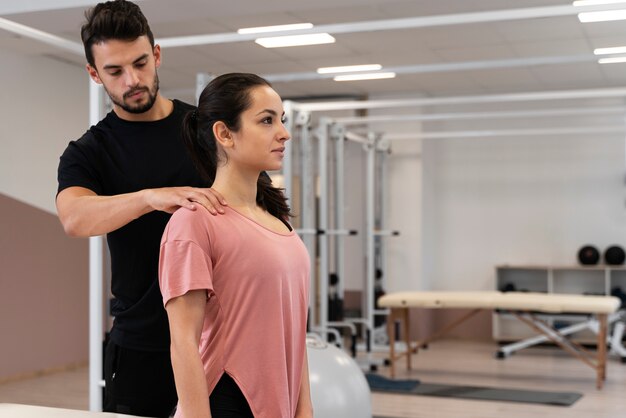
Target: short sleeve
x,y
183,266
78,165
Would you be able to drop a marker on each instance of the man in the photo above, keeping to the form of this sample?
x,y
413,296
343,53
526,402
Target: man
x,y
124,177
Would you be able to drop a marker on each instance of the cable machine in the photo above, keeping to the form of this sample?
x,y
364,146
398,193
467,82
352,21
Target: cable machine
x,y
322,228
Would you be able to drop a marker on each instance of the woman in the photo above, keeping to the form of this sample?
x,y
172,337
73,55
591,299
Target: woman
x,y
235,288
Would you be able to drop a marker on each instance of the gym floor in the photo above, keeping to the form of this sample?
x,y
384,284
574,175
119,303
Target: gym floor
x,y
448,361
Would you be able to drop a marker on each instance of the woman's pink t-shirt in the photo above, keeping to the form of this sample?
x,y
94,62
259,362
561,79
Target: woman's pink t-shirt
x,y
255,320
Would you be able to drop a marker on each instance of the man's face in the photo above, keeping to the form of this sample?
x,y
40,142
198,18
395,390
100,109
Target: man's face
x,y
128,72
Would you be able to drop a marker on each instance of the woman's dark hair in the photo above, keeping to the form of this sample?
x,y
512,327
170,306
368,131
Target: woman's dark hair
x,y
224,99
117,19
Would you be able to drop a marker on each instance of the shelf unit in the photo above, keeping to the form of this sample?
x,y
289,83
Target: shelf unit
x,y
596,280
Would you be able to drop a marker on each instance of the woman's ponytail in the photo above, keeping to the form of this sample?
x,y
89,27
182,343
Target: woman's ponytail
x,y
272,198
203,153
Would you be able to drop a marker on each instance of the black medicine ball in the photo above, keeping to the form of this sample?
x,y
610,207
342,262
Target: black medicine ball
x,y
588,255
614,255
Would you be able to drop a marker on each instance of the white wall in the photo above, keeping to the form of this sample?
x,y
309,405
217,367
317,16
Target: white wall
x,y
404,252
523,200
44,104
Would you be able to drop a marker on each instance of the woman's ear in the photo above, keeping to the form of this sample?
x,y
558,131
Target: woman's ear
x,y
222,134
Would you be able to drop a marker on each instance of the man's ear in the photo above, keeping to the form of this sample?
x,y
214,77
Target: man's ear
x,y
157,55
93,73
222,134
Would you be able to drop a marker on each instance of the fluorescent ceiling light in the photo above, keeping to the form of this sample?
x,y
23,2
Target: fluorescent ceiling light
x,y
349,68
295,40
596,2
603,16
612,60
278,28
370,76
612,50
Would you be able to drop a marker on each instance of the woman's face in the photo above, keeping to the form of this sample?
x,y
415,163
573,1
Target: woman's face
x,y
259,144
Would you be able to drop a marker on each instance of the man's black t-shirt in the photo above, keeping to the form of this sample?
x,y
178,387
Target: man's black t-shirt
x,y
116,157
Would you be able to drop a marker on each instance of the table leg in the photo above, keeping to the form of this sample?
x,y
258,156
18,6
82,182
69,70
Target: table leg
x,y
601,362
391,332
407,337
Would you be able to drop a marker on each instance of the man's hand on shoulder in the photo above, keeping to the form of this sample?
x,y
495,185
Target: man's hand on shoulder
x,y
169,199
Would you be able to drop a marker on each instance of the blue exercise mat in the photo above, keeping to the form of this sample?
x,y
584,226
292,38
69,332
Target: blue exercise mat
x,y
379,383
383,384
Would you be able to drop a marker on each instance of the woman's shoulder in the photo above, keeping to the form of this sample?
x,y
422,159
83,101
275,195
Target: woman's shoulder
x,y
189,225
188,215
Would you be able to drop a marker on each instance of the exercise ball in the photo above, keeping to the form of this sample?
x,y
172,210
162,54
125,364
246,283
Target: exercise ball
x,y
614,255
338,386
588,255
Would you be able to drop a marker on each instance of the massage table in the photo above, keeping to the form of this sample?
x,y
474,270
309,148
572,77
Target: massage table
x,y
30,411
523,305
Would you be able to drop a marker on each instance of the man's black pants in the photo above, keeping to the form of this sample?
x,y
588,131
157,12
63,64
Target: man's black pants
x,y
138,382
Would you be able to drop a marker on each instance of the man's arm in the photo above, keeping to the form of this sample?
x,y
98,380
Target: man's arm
x,y
83,213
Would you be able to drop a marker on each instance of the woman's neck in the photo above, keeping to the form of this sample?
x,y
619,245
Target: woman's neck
x,y
238,188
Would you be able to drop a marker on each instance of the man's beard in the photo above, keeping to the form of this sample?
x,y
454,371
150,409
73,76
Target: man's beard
x,y
140,108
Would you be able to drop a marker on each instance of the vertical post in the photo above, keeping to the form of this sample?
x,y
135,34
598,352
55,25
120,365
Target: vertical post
x,y
202,79
337,134
96,308
322,147
383,150
368,292
308,206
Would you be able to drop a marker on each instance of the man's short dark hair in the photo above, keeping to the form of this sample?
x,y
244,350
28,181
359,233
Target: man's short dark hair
x,y
116,19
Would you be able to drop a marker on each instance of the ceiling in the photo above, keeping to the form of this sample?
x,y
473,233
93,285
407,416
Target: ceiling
x,y
458,48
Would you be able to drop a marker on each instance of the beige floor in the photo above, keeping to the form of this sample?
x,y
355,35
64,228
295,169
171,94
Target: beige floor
x,y
453,362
